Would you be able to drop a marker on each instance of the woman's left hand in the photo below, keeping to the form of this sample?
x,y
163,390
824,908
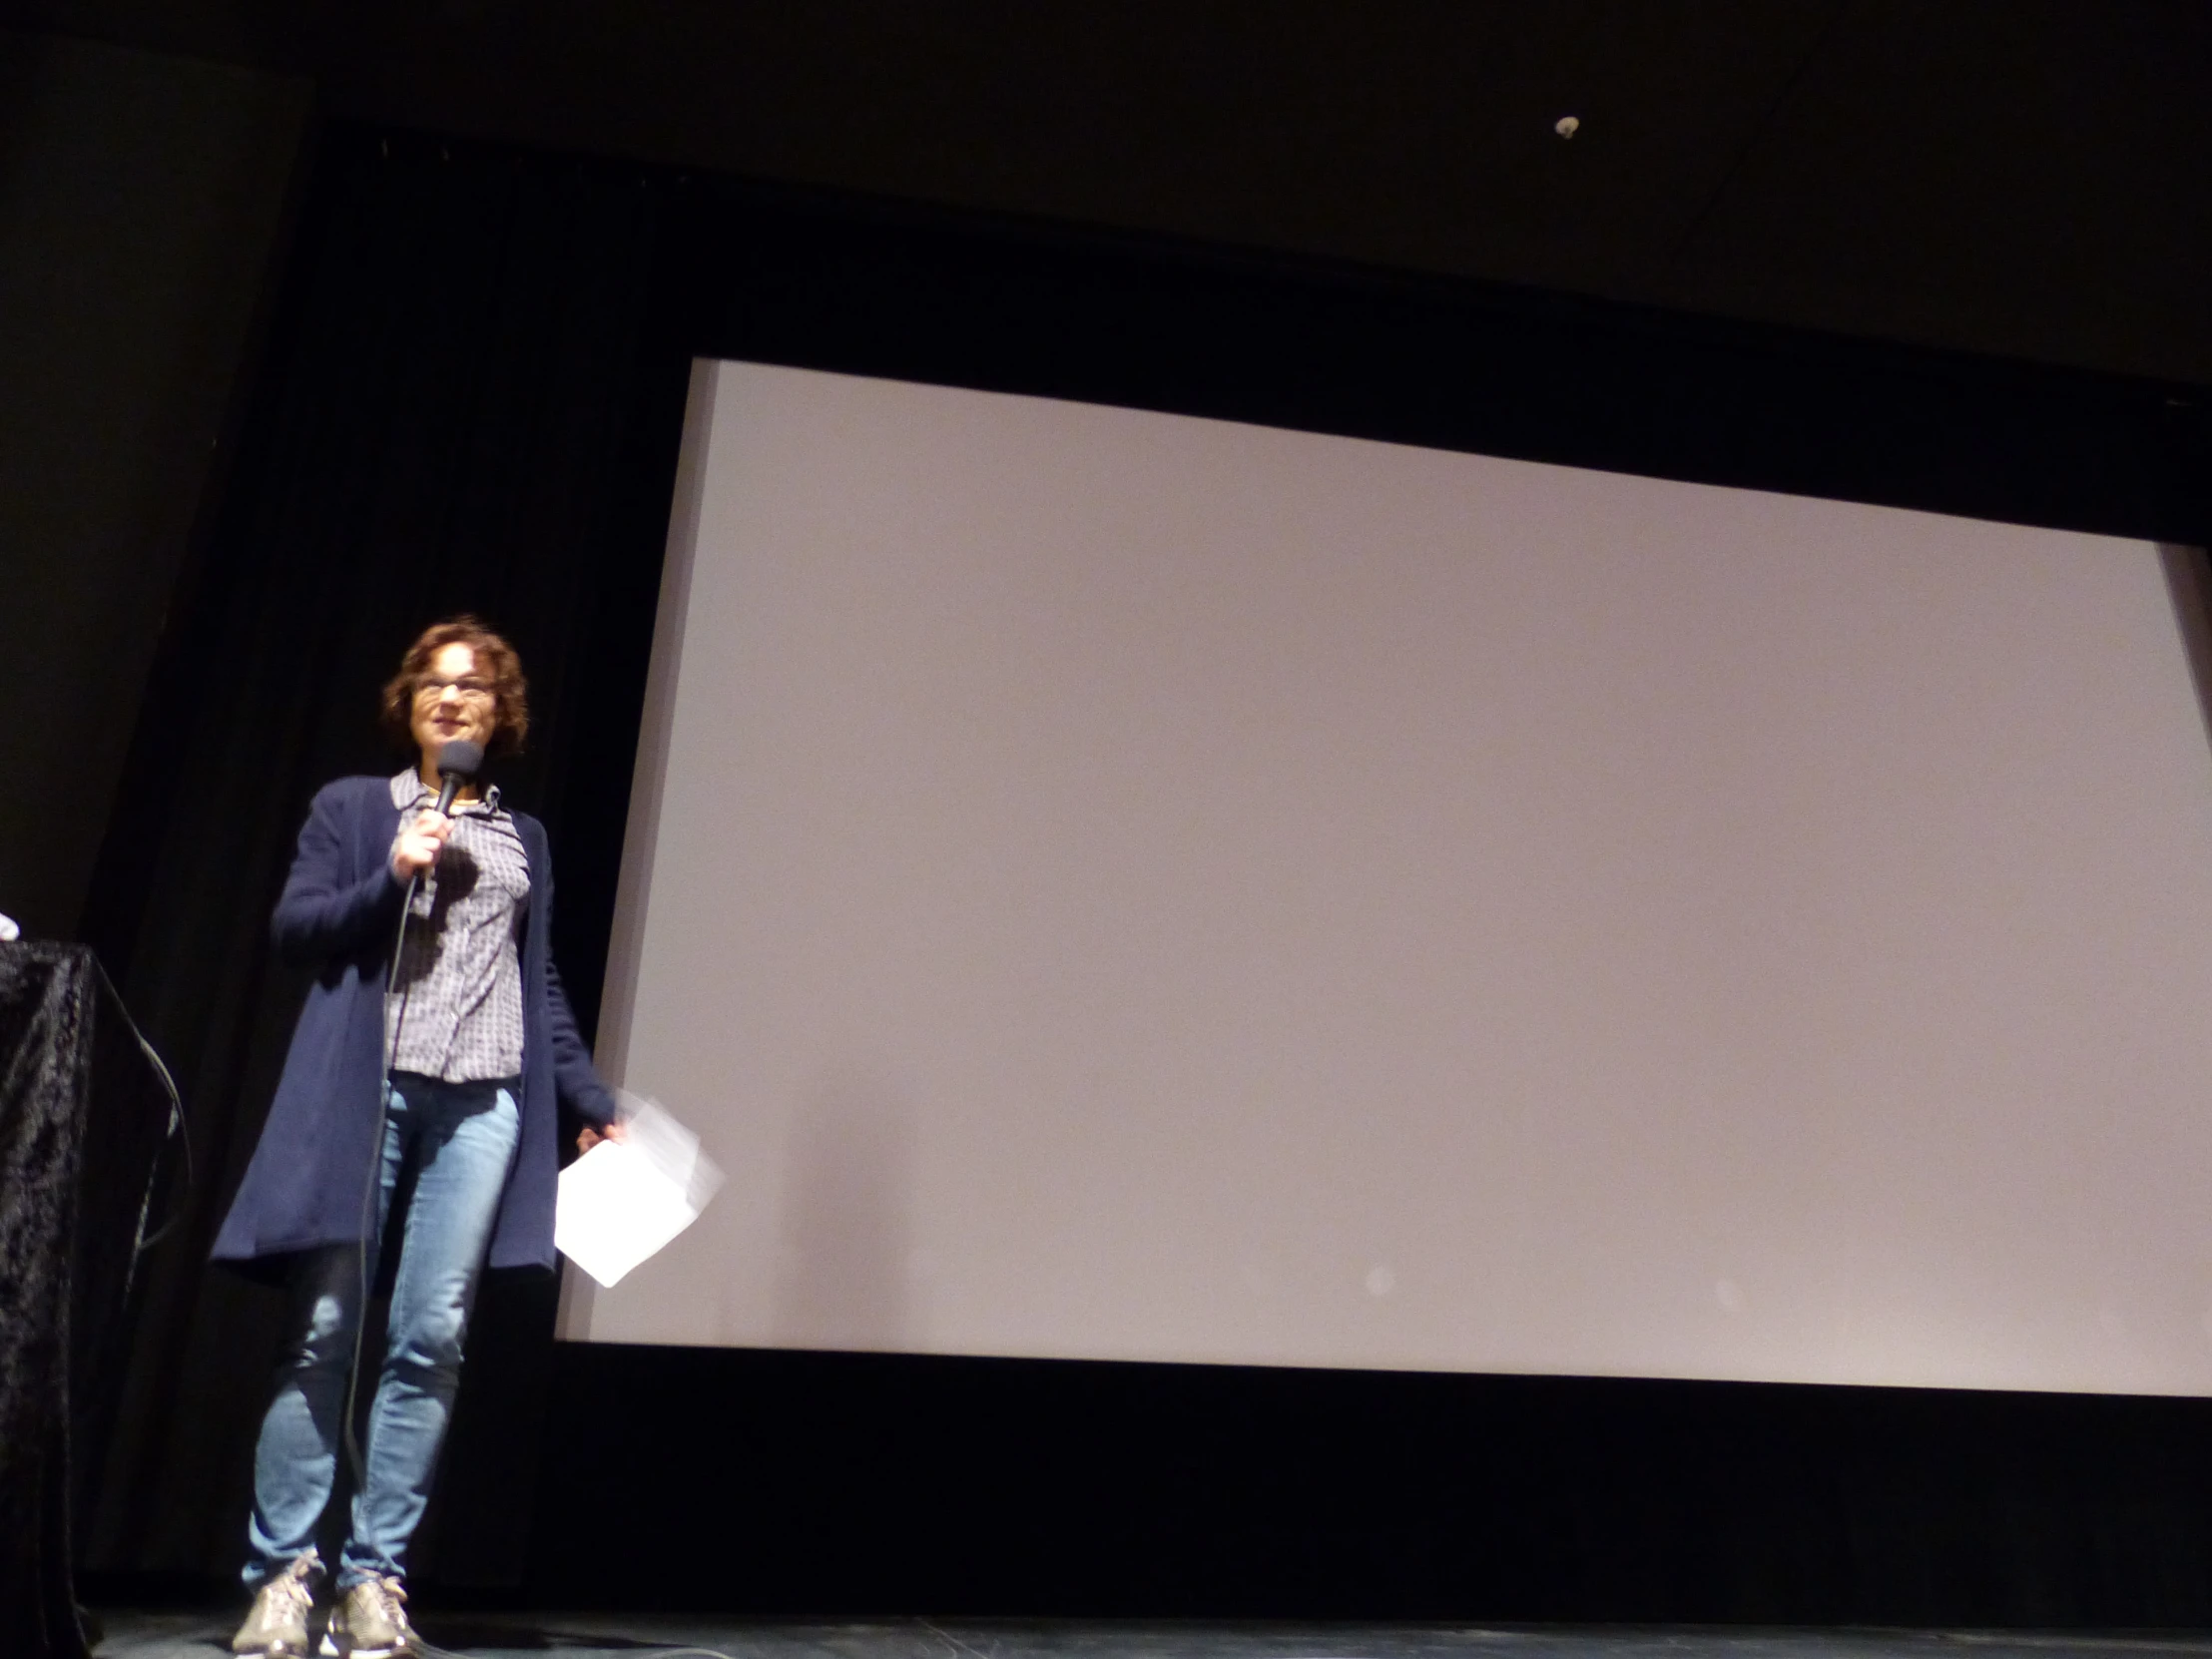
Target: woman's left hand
x,y
589,1136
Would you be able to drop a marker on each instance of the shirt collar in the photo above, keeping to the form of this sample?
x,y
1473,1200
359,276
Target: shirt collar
x,y
408,790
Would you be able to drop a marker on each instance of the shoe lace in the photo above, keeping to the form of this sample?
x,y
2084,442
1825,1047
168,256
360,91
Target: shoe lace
x,y
296,1585
392,1597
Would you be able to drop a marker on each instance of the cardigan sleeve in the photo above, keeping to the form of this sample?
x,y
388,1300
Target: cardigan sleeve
x,y
324,911
574,1076
575,1079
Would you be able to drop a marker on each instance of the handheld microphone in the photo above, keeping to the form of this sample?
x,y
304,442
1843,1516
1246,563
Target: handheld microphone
x,y
458,764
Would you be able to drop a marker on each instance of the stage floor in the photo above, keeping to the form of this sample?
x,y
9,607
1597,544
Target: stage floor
x,y
149,1635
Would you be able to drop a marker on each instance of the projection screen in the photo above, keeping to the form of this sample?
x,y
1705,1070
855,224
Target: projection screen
x,y
1119,886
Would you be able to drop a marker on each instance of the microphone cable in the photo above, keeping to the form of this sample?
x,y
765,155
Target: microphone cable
x,y
458,761
655,1650
631,1649
353,1457
179,1130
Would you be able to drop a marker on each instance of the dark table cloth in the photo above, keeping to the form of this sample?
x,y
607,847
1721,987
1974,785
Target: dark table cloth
x,y
82,1120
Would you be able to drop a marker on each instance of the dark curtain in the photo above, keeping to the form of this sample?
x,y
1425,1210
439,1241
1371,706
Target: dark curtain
x,y
472,398
469,403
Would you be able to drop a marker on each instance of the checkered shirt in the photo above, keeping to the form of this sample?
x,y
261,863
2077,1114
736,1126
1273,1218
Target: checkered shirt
x,y
456,1013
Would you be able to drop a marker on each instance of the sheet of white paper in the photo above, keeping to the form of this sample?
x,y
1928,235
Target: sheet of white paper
x,y
623,1200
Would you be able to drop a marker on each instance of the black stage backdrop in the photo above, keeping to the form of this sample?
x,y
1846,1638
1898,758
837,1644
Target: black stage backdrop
x,y
472,397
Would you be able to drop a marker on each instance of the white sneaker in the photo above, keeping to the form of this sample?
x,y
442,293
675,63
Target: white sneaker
x,y
370,1622
278,1624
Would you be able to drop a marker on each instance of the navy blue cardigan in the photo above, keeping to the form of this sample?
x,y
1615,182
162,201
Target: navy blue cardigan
x,y
338,913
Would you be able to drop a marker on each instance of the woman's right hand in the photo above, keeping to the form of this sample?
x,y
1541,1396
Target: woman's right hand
x,y
418,847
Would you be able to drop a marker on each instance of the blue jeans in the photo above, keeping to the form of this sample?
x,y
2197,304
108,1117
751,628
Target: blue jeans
x,y
458,1140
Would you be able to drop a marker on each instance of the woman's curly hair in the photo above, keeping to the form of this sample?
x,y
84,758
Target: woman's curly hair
x,y
497,661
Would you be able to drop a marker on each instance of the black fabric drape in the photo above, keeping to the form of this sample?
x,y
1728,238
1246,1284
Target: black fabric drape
x,y
45,1073
82,1118
468,402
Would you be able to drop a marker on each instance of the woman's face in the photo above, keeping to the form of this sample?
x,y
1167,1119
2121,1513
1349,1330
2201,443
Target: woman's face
x,y
452,702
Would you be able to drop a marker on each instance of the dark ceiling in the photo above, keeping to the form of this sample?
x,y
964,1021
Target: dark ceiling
x,y
2022,177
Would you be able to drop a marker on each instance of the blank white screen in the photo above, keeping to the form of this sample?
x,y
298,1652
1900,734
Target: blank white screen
x,y
1115,884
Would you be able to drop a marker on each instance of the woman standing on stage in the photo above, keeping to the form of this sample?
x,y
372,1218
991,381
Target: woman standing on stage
x,y
444,1086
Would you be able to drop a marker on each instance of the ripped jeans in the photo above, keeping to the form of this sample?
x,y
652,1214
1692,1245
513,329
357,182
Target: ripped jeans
x,y
457,1142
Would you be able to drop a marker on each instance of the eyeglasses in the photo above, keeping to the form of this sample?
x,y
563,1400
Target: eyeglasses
x,y
475,690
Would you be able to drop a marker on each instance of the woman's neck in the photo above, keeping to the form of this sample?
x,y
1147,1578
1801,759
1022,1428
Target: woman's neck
x,y
428,773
